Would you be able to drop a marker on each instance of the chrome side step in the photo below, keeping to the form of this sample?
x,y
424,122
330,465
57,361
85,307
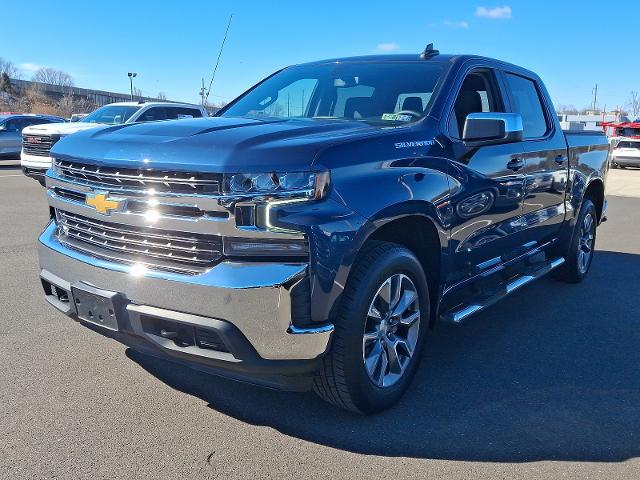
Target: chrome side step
x,y
462,312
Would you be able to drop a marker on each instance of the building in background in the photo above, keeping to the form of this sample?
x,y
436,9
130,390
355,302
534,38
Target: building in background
x,y
593,122
95,97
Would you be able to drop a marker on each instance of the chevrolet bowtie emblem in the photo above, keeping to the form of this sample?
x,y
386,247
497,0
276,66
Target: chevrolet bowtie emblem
x,y
103,204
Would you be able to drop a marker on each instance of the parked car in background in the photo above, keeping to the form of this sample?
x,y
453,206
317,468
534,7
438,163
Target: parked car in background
x,y
626,153
312,233
38,140
76,117
11,127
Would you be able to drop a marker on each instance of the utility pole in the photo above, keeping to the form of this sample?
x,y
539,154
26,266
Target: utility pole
x,y
595,97
203,92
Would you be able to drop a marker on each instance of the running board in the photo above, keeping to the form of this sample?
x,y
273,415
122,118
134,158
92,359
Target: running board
x,y
462,312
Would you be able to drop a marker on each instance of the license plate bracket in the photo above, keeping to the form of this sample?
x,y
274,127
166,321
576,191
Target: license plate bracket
x,y
98,307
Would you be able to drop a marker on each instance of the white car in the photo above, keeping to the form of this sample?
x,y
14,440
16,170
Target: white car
x,y
38,139
626,153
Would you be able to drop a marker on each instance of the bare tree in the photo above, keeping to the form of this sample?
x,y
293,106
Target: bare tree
x,y
137,93
215,106
634,104
66,105
52,76
9,68
161,96
5,83
84,105
567,109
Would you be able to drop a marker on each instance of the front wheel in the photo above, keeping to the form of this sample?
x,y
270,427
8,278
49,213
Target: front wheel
x,y
379,331
583,240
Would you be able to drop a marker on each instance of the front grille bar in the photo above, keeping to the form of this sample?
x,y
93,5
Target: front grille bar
x,y
187,253
169,181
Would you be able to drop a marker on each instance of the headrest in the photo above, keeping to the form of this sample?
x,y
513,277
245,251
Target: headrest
x,y
413,104
357,107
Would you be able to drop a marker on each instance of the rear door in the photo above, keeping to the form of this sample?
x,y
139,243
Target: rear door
x,y
10,137
487,189
544,150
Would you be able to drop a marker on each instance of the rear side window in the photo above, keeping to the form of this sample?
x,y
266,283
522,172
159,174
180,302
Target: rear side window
x,y
527,103
154,113
182,112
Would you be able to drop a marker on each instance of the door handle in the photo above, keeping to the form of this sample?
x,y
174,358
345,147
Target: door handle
x,y
560,159
515,164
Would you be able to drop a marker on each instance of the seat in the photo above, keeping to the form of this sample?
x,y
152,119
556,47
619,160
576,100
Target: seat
x,y
357,108
413,104
469,101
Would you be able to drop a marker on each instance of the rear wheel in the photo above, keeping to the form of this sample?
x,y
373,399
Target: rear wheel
x,y
379,331
580,253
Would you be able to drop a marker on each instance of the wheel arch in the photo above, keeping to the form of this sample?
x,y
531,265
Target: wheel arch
x,y
595,193
418,231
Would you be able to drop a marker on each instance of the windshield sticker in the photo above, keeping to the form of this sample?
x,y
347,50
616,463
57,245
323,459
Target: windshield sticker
x,y
417,143
396,117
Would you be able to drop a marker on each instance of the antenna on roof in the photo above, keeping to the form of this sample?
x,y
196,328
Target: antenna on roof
x,y
429,52
206,97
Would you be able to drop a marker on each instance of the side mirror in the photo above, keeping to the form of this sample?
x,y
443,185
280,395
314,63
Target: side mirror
x,y
492,129
3,128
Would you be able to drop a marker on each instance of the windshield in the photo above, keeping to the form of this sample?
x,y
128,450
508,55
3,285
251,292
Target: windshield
x,y
111,114
377,93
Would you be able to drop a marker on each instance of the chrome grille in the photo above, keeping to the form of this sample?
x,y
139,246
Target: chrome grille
x,y
158,249
38,144
140,179
141,205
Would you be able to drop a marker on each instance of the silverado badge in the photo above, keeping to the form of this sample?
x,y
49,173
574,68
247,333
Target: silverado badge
x,y
103,203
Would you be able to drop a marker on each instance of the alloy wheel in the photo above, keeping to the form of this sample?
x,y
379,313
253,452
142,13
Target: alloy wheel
x,y
391,330
585,245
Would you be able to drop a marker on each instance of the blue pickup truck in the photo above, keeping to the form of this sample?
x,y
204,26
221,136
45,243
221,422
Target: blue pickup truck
x,y
313,233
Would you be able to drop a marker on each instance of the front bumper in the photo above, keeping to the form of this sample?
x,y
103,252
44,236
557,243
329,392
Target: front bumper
x,y
627,161
35,162
248,305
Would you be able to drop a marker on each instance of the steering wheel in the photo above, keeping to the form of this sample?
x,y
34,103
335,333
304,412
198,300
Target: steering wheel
x,y
413,113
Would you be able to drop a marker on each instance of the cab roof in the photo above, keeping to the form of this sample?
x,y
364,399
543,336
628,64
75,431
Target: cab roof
x,y
416,58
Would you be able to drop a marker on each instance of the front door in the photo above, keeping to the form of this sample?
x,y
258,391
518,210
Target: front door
x,y
488,186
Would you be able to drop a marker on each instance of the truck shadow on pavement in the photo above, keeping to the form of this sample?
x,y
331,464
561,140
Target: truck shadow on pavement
x,y
552,373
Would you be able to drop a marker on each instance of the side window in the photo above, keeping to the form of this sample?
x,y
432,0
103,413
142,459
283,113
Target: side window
x,y
478,94
14,125
172,113
154,113
182,112
527,103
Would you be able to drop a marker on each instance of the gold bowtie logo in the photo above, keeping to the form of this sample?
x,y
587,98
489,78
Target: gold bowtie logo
x,y
103,204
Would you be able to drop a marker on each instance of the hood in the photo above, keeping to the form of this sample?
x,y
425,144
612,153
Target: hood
x,y
216,144
59,128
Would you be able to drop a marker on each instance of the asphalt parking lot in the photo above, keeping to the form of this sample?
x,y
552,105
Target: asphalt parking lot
x,y
545,384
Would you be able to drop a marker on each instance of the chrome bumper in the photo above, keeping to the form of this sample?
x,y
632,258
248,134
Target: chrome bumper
x,y
253,297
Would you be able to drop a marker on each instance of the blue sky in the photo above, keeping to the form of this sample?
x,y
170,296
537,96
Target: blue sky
x,y
572,44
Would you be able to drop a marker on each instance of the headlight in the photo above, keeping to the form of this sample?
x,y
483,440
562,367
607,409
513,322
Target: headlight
x,y
285,184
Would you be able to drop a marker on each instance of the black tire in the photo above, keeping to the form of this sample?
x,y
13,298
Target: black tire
x,y
343,379
573,271
41,181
